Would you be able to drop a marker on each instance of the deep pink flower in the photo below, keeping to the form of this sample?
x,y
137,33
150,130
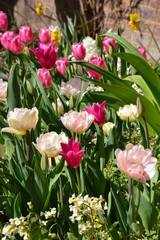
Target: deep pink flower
x,y
79,51
71,153
1,34
26,34
6,39
16,45
136,162
142,51
46,54
45,35
98,61
107,42
45,77
60,63
3,21
98,110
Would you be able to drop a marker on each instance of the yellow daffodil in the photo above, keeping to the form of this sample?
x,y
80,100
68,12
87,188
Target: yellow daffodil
x,y
55,34
134,21
39,9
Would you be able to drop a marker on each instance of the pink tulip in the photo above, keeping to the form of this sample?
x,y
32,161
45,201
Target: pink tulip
x,y
45,77
136,162
3,21
45,35
108,42
60,63
77,122
79,51
71,153
16,45
6,39
98,61
46,54
142,51
1,34
26,34
98,111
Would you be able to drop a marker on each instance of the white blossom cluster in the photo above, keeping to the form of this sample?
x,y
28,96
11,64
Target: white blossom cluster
x,y
93,88
91,48
87,211
22,225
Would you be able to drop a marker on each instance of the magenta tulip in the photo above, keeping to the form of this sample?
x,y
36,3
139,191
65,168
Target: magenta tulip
x,y
46,54
3,21
26,34
45,35
71,153
16,45
60,63
79,51
108,42
98,110
45,77
142,51
98,61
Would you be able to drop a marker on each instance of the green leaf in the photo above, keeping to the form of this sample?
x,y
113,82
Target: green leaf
x,y
13,90
16,206
41,183
96,177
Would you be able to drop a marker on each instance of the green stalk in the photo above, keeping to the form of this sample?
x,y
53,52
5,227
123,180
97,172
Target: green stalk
x,y
146,131
78,180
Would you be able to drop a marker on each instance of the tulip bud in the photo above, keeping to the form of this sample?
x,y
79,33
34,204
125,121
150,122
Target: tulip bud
x,y
140,108
78,50
30,88
60,63
45,35
109,44
3,21
142,51
44,163
26,34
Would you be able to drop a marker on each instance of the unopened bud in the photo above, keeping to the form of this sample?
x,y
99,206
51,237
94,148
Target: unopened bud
x,y
140,108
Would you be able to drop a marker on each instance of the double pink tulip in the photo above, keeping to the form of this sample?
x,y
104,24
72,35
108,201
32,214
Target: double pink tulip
x,y
98,61
7,38
12,42
71,153
60,63
98,111
3,21
46,54
79,51
45,77
142,51
26,34
108,42
45,35
136,162
77,122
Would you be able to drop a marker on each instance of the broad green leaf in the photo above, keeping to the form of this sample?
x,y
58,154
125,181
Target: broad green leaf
x,y
17,206
13,90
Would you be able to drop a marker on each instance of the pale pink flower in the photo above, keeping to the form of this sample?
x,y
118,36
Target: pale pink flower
x,y
136,162
45,35
77,122
26,34
3,90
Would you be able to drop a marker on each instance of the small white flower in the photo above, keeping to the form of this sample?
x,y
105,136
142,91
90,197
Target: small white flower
x,y
128,112
107,128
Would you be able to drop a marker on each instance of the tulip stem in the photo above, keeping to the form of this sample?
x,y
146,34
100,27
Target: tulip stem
x,y
61,192
130,187
28,145
146,131
78,180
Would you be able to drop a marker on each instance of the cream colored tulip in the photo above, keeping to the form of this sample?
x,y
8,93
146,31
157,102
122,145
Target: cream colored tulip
x,y
50,143
107,128
60,108
21,120
128,112
3,90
